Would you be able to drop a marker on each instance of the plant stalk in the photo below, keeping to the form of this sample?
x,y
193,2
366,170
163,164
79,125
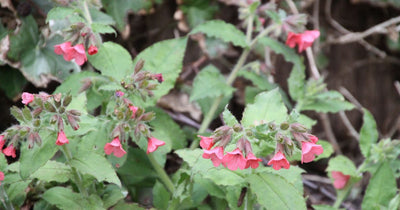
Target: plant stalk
x,y
87,13
77,175
161,174
4,199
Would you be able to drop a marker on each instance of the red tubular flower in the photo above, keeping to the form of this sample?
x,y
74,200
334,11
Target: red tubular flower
x,y
2,142
79,54
64,49
27,98
206,142
114,147
252,161
279,161
92,50
159,77
153,144
313,139
216,155
10,151
303,40
133,109
1,176
340,180
61,138
234,160
119,93
309,150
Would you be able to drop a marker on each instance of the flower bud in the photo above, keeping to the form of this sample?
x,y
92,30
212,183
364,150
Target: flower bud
x,y
49,107
67,100
72,122
61,110
36,123
237,128
74,112
37,139
60,123
86,85
297,127
249,133
57,97
23,131
53,119
140,76
37,112
148,116
279,138
152,87
139,65
272,126
284,126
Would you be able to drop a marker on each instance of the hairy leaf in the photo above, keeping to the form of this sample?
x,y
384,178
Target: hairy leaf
x,y
343,164
330,101
368,133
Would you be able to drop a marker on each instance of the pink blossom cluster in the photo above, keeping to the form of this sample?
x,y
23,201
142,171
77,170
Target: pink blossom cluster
x,y
8,151
27,98
309,149
302,40
242,157
76,52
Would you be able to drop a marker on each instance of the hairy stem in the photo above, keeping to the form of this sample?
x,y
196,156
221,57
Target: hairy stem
x,y
77,175
87,13
4,199
161,173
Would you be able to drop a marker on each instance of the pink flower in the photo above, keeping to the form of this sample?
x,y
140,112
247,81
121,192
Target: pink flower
x,y
1,176
61,138
158,77
10,151
92,50
303,40
79,54
133,109
114,147
313,138
2,142
206,142
153,144
279,161
309,150
234,160
64,49
252,161
216,155
340,180
27,98
119,93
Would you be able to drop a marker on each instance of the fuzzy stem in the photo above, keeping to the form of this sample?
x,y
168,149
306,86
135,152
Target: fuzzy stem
x,y
77,175
161,173
4,199
87,13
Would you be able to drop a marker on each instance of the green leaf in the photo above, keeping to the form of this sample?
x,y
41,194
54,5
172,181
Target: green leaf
x,y
222,30
17,192
258,79
167,130
268,106
197,12
102,28
161,196
112,60
96,165
59,13
25,40
195,160
164,57
296,81
274,192
368,133
229,119
329,101
381,188
53,171
11,81
99,17
328,150
223,176
210,83
324,207
394,204
74,82
292,175
112,195
3,162
343,164
32,159
64,198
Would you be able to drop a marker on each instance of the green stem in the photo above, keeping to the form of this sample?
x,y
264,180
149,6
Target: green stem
x,y
4,199
340,198
77,175
87,13
161,173
232,76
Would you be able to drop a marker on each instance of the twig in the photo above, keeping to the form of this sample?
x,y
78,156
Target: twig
x,y
349,126
350,97
397,86
393,130
329,132
316,178
184,119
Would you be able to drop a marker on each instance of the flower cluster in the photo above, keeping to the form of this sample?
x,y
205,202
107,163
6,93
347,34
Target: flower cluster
x,y
8,151
241,157
76,52
302,40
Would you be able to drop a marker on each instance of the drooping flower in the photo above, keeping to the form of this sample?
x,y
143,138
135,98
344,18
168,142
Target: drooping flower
x,y
133,109
309,150
206,142
2,142
153,144
119,93
313,138
216,155
159,77
234,160
114,147
252,161
279,161
303,40
10,151
61,138
79,54
64,49
1,176
92,50
27,98
340,180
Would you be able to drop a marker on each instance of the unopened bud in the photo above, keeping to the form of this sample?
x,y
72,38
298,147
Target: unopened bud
x,y
249,133
86,85
116,132
140,76
60,123
36,123
272,126
297,127
120,115
148,116
37,112
72,122
67,100
23,131
152,87
53,119
49,107
57,97
61,110
74,112
279,138
37,139
237,128
139,65
284,126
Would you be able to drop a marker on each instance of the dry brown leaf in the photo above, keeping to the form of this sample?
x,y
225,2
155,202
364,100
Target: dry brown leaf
x,y
179,102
